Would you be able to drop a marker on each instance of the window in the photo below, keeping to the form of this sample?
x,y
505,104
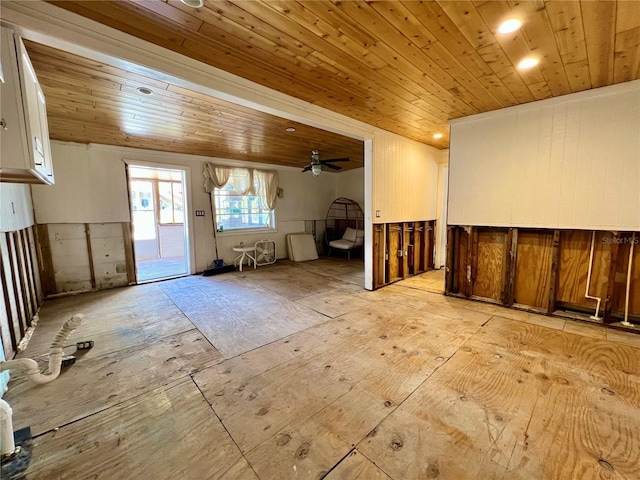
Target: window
x,y
157,194
170,201
235,211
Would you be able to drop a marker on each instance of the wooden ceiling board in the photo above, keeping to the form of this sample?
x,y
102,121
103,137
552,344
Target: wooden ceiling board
x,y
89,102
404,66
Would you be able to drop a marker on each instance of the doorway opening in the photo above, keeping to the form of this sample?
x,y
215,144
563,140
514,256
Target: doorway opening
x,y
160,236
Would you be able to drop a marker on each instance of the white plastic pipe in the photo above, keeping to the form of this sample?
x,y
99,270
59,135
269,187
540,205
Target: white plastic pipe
x,y
7,443
55,355
626,299
586,295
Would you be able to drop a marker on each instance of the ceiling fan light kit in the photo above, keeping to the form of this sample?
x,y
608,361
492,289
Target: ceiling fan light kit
x,y
317,166
193,3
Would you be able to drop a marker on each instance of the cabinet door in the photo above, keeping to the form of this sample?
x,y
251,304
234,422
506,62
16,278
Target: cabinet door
x,y
13,150
47,167
35,115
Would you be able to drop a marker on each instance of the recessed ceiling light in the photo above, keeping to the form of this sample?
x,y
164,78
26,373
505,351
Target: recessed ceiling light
x,y
437,135
145,91
193,3
510,25
290,129
528,62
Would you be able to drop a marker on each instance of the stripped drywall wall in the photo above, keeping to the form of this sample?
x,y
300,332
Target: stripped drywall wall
x,y
91,181
568,162
21,296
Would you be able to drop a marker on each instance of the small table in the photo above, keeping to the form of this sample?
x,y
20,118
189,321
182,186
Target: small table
x,y
246,251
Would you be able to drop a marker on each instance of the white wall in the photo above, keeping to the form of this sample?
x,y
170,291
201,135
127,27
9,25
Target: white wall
x,y
91,188
404,180
350,184
87,189
16,209
567,162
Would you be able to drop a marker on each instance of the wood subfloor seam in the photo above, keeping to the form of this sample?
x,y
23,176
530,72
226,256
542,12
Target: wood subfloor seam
x,y
242,454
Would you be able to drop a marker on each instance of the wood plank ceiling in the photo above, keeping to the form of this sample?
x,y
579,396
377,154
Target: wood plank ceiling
x,y
406,67
90,102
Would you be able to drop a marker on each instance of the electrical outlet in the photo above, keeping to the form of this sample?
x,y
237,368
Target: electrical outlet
x,y
199,213
377,213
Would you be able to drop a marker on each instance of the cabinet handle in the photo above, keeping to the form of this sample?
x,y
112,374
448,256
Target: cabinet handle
x,y
3,124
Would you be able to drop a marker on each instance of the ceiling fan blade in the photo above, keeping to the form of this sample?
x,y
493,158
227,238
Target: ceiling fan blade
x,y
335,160
333,167
306,169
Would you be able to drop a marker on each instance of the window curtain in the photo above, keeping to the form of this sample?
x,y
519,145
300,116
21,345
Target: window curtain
x,y
247,181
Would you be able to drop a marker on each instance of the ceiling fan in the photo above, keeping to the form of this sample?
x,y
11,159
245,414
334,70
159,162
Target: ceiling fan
x,y
316,166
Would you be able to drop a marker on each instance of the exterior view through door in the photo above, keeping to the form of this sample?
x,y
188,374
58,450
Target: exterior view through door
x,y
157,214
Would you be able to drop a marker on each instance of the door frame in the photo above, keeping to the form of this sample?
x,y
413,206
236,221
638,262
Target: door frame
x,y
188,201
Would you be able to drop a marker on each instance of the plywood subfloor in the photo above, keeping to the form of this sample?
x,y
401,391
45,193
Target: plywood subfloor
x,y
400,383
431,281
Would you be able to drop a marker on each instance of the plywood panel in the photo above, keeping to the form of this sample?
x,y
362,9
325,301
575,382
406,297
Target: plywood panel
x,y
533,268
429,241
418,242
135,432
461,255
46,261
407,249
379,255
107,379
500,387
490,260
357,466
394,246
621,275
573,267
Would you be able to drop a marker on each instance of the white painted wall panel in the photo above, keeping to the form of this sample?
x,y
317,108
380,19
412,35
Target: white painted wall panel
x,y
351,185
87,190
404,179
567,162
16,209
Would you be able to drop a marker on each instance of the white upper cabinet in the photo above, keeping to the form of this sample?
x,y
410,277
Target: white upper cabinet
x,y
24,132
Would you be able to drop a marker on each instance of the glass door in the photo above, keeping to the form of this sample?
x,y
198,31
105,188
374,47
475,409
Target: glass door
x,y
157,212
